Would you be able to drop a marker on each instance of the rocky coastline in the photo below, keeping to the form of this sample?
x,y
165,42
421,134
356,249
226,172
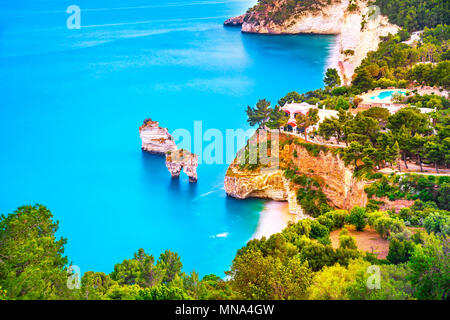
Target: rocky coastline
x,y
338,184
358,30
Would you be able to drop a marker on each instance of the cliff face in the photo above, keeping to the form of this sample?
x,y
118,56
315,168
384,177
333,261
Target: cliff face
x,y
158,140
358,31
155,139
342,190
247,184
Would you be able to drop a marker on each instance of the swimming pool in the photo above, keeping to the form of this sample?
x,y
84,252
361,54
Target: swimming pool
x,y
386,95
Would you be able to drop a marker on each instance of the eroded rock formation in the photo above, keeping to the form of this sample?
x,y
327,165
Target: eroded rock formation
x,y
182,160
155,139
158,140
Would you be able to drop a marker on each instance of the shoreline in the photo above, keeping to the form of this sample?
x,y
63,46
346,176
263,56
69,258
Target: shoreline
x,y
274,218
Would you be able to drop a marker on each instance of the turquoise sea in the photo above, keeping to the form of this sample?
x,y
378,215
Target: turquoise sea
x,y
72,102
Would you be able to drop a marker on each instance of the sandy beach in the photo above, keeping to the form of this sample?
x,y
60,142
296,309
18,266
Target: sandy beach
x,y
274,218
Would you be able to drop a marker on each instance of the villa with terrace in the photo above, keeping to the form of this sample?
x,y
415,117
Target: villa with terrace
x,y
293,109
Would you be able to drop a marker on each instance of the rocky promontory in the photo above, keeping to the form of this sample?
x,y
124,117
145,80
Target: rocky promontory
x,y
157,140
358,27
235,22
332,176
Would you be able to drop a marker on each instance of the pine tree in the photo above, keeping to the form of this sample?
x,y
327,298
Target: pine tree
x,y
308,120
277,118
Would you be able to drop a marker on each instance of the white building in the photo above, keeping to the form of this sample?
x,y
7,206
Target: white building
x,y
293,109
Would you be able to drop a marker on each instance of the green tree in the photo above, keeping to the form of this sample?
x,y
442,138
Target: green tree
x,y
140,270
170,262
336,127
260,114
277,118
400,251
95,285
363,80
357,218
308,120
430,266
289,98
394,154
381,115
433,151
437,223
353,154
32,265
404,139
162,292
417,147
332,78
254,276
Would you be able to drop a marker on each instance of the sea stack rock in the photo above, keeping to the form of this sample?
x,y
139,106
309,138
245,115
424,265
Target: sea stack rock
x,y
158,140
155,139
182,160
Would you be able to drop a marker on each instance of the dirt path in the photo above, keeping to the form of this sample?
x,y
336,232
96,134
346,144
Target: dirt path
x,y
368,241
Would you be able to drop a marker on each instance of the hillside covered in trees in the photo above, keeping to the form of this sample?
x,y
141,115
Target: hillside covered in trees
x,y
298,263
415,15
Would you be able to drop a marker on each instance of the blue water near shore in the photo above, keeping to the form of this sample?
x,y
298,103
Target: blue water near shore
x,y
72,102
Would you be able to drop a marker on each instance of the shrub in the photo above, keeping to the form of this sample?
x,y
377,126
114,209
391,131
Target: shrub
x,y
339,217
319,231
346,241
437,223
357,218
400,251
374,216
382,226
326,221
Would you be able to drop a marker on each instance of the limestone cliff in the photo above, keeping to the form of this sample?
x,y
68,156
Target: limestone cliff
x,y
158,140
155,139
337,182
358,29
182,159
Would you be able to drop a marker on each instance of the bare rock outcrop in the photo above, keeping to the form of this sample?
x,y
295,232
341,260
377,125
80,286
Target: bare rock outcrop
x,y
182,160
158,140
155,139
235,22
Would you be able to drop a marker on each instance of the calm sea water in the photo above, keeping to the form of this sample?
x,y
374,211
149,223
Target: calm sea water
x,y
72,102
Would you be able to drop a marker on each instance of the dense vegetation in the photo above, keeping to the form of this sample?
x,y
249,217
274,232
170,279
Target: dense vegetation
x,y
398,64
374,138
415,14
298,263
